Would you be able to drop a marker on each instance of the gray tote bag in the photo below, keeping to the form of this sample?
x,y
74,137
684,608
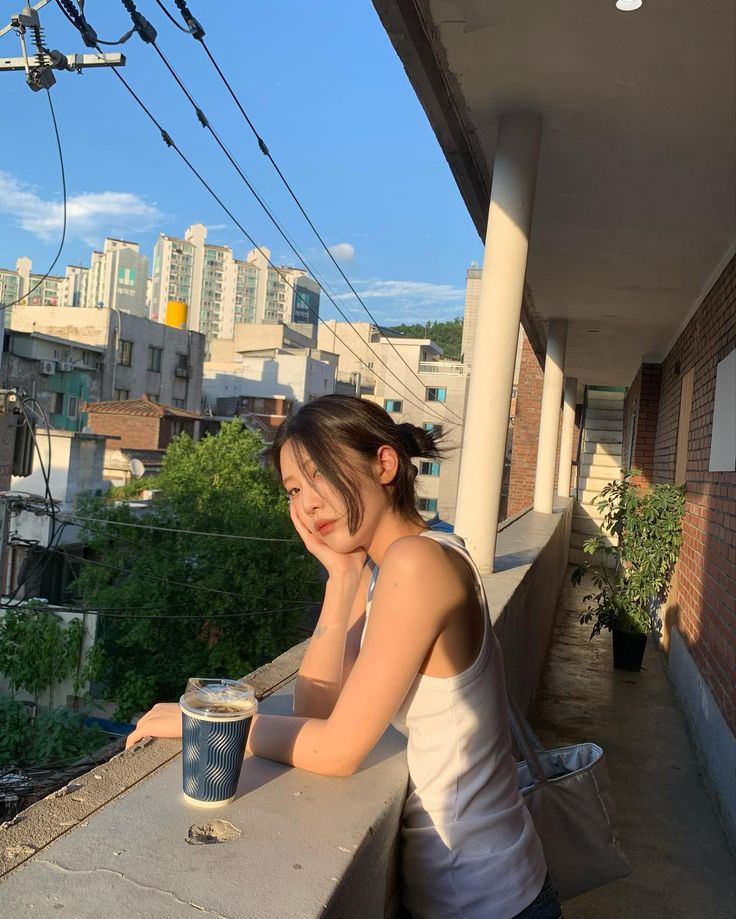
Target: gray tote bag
x,y
568,793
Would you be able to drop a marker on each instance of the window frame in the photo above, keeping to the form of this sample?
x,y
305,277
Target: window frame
x,y
436,398
155,357
393,402
125,352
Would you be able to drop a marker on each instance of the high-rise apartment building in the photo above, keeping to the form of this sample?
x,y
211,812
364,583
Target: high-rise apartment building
x,y
118,278
32,289
221,291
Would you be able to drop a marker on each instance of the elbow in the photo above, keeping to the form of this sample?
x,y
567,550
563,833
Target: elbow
x,y
333,757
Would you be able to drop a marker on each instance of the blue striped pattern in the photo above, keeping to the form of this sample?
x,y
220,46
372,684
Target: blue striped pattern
x,y
212,754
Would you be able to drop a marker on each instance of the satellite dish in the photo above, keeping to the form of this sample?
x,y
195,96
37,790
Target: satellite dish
x,y
137,468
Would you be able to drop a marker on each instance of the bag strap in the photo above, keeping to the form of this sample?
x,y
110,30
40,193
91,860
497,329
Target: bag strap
x,y
527,741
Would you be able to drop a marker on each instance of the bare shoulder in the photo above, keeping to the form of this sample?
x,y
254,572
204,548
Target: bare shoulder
x,y
417,557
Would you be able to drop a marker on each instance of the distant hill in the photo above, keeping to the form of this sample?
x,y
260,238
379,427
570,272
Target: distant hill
x,y
448,335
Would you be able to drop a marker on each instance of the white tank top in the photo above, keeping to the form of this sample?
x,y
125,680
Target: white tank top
x,y
469,848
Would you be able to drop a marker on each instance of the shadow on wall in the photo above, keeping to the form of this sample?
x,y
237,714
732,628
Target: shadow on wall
x,y
699,625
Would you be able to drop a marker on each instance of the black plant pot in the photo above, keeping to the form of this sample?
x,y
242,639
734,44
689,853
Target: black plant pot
x,y
628,650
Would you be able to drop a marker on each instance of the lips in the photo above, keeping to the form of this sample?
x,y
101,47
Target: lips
x,y
324,526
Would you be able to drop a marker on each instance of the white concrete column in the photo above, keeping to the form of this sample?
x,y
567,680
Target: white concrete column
x,y
549,422
567,436
496,335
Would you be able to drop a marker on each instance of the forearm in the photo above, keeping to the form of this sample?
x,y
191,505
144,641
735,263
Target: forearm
x,y
319,680
306,743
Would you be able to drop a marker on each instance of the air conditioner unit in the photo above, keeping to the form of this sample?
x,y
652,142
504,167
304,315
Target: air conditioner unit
x,y
66,366
47,367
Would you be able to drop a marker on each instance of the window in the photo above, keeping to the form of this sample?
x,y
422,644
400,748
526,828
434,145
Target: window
x,y
58,403
89,359
152,396
154,359
72,406
427,504
427,468
436,394
180,403
126,353
393,405
432,426
122,394
176,428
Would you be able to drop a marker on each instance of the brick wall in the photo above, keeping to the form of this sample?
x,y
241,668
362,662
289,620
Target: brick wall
x,y
526,431
139,432
704,595
642,405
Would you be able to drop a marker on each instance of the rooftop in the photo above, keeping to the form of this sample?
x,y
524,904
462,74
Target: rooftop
x,y
143,406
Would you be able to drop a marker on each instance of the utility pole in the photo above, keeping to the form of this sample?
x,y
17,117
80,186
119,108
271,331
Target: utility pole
x,y
39,66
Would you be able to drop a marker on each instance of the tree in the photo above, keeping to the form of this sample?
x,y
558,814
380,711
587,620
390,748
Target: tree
x,y
448,335
246,598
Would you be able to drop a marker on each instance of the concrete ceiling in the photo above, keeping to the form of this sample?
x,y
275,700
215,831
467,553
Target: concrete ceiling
x,y
636,196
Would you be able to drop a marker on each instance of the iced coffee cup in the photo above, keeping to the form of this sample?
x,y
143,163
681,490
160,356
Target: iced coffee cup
x,y
216,716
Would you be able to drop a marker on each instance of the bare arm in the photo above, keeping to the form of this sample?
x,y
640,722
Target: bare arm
x,y
322,671
416,593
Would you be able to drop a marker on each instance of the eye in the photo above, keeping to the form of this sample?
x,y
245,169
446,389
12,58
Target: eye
x,y
290,492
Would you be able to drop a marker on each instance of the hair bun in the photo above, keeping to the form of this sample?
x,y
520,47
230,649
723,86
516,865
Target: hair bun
x,y
418,441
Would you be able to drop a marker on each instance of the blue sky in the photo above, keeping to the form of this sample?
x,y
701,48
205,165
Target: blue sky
x,y
324,87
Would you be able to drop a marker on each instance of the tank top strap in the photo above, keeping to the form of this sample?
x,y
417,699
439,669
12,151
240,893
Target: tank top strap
x,y
453,541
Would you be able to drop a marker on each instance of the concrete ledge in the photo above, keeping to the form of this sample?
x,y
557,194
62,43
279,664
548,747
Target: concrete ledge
x,y
523,592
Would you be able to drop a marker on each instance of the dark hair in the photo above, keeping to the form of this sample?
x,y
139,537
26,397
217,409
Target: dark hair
x,y
321,428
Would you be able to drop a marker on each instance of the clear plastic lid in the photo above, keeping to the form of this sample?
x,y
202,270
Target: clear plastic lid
x,y
219,698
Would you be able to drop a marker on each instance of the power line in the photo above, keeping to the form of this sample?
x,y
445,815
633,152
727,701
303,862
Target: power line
x,y
147,34
188,616
198,35
167,581
38,283
145,526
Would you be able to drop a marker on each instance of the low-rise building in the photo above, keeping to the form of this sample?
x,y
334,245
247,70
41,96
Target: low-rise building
x,y
60,374
140,357
142,423
267,361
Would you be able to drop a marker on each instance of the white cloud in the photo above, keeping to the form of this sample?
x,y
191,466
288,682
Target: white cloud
x,y
90,215
395,302
343,252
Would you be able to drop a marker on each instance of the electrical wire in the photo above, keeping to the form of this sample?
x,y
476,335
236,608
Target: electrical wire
x,y
170,17
45,472
88,34
40,281
167,581
203,617
267,153
145,526
204,122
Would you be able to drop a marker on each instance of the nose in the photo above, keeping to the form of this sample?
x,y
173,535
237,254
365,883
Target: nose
x,y
311,498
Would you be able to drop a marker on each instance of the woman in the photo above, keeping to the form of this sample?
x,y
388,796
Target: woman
x,y
403,637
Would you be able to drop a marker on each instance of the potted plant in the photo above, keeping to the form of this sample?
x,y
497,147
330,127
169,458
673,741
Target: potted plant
x,y
635,563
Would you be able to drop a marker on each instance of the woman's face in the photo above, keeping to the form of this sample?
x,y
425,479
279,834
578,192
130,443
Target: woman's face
x,y
321,508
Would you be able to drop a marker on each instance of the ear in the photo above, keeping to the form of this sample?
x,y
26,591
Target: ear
x,y
387,464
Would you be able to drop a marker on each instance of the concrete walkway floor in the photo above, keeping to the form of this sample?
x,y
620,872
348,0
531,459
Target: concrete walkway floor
x,y
682,867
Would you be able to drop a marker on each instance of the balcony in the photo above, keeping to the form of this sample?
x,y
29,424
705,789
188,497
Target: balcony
x,y
315,846
453,367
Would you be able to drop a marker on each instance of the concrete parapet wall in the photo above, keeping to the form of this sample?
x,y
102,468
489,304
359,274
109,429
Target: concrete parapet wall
x,y
531,558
